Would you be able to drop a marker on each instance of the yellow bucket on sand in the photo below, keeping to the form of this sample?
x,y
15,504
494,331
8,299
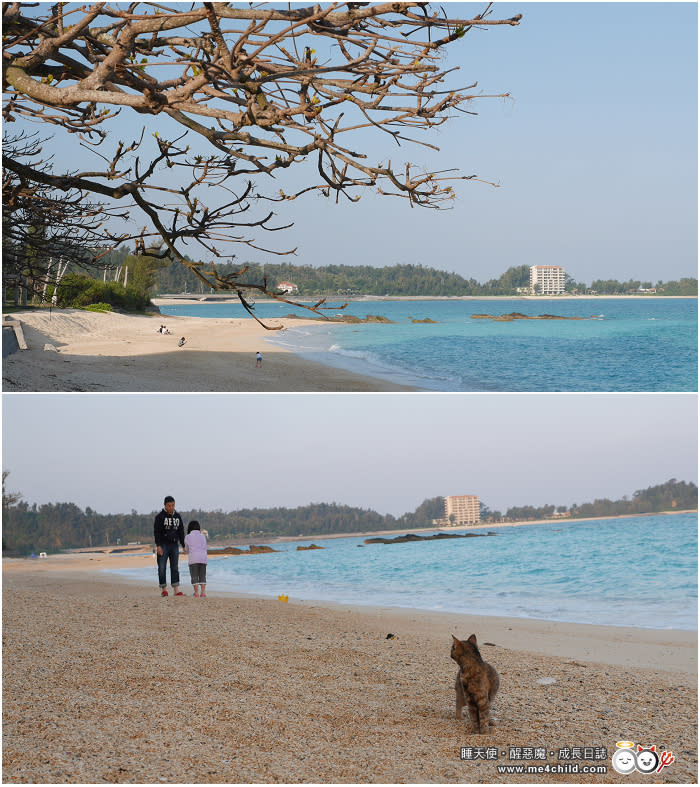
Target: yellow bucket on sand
x,y
283,598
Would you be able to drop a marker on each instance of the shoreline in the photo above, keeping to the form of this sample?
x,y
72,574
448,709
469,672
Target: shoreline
x,y
665,649
246,540
173,298
480,526
244,690
76,350
660,648
125,550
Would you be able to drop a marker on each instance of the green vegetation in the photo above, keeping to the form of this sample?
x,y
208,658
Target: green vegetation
x,y
687,287
80,291
664,497
135,275
125,281
353,280
398,279
54,526
684,287
148,276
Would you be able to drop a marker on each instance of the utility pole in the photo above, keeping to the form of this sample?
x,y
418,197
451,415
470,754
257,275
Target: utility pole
x,y
46,280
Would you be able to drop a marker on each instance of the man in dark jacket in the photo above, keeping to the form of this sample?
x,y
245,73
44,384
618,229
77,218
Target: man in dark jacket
x,y
169,535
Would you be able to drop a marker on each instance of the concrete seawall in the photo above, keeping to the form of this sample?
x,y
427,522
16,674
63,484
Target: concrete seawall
x,y
12,336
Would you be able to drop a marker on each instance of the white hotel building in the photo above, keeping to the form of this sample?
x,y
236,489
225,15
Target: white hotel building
x,y
460,510
550,278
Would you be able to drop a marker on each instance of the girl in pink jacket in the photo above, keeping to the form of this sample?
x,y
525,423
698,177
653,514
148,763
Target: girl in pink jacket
x,y
196,548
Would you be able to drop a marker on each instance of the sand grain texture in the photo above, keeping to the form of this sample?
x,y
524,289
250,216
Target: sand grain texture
x,y
104,681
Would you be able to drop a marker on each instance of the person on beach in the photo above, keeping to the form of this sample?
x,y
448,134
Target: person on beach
x,y
258,360
169,534
196,548
181,342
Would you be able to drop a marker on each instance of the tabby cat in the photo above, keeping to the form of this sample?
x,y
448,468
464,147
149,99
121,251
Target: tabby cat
x,y
476,685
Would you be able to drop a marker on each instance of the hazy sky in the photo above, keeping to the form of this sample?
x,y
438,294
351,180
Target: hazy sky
x,y
595,153
387,452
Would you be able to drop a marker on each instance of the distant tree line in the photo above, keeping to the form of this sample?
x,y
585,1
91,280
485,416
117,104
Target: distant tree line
x,y
664,497
54,526
402,280
51,527
354,280
687,287
128,279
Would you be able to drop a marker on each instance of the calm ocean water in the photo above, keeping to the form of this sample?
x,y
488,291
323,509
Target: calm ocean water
x,y
632,344
639,572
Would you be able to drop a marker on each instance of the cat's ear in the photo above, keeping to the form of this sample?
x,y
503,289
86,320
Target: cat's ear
x,y
472,639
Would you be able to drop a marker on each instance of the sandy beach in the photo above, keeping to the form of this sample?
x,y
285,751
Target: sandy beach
x,y
75,350
104,680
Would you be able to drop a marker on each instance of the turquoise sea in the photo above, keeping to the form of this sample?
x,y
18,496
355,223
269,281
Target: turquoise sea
x,y
640,572
624,344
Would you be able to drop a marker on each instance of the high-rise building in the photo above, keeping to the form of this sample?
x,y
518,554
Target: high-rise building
x,y
548,279
461,510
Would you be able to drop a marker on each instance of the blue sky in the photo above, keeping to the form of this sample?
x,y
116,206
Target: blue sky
x,y
595,153
388,452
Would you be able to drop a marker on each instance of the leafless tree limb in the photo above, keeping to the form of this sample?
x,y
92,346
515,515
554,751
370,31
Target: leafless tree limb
x,y
252,97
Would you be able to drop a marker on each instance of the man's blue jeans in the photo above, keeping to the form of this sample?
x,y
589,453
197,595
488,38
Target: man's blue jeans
x,y
170,552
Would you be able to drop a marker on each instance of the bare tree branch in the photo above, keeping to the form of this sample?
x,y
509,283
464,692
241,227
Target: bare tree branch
x,y
252,96
41,224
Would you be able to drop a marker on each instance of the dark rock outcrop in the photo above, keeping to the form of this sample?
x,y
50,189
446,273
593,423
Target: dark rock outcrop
x,y
518,316
349,318
252,550
412,537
